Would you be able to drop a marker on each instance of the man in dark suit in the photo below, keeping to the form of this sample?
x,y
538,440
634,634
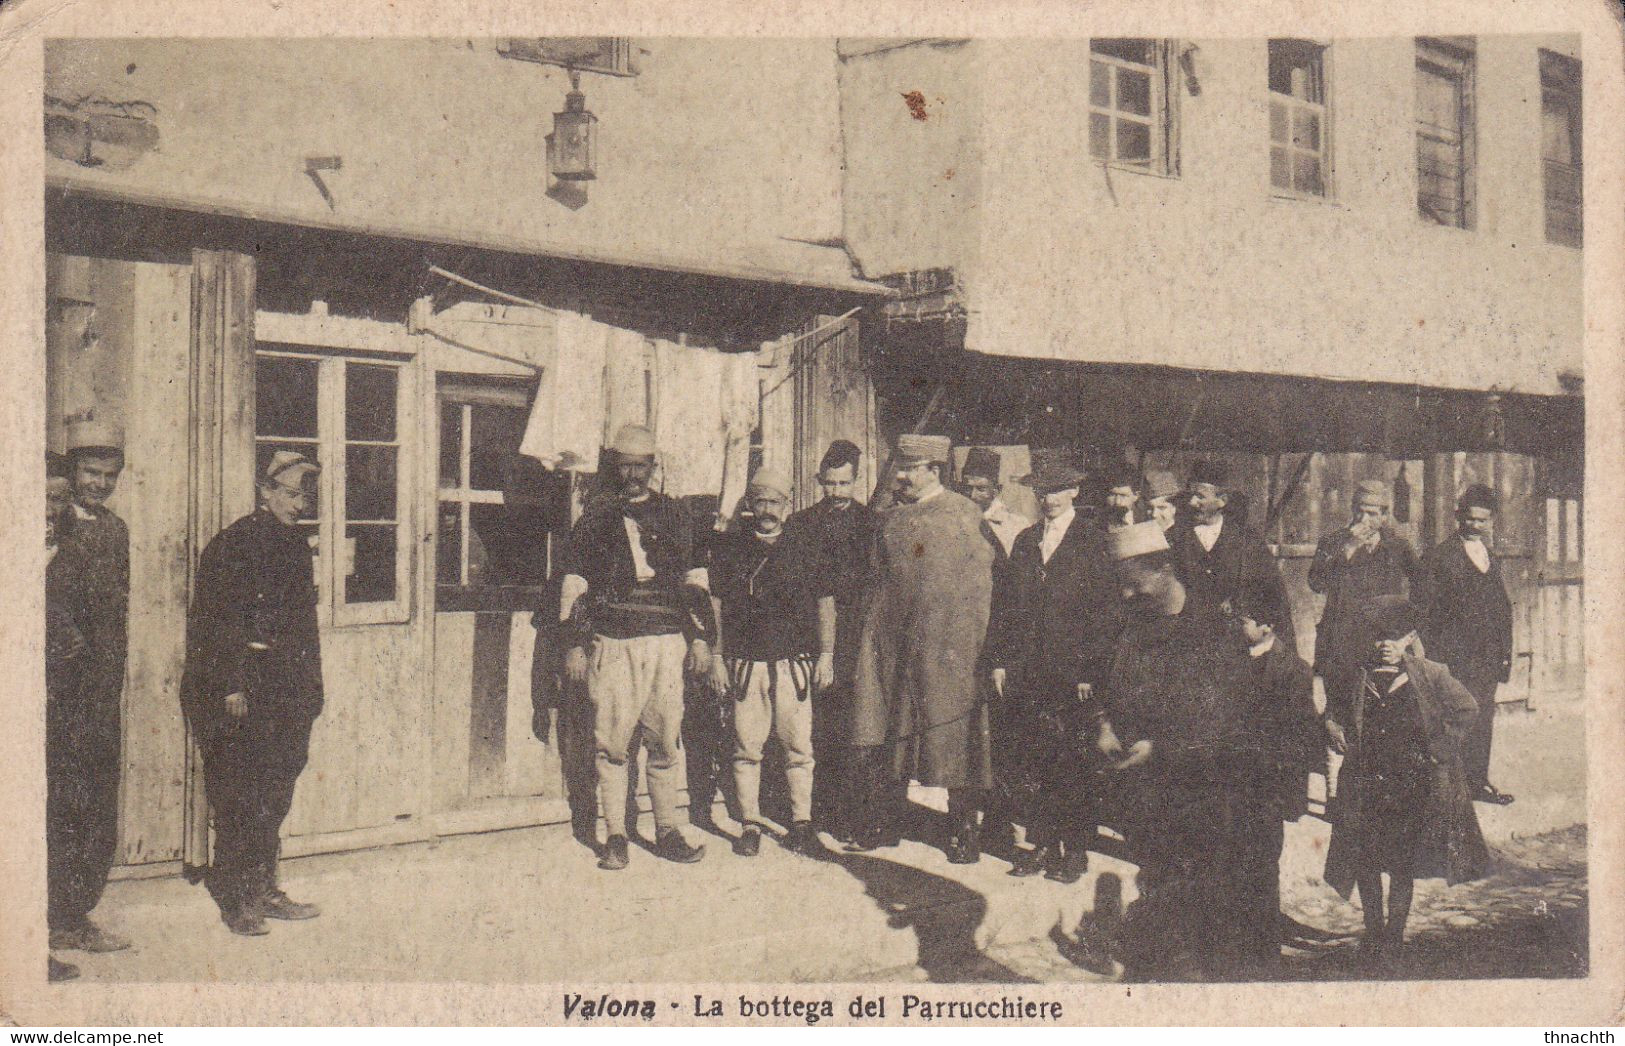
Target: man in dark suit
x,y
1353,565
1055,627
252,690
1467,624
1219,559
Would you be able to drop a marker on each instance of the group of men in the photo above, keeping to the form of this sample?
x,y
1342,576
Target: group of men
x,y
1126,660
251,690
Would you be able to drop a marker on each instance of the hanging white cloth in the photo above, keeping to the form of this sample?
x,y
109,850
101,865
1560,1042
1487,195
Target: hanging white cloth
x,y
741,398
688,418
566,422
628,385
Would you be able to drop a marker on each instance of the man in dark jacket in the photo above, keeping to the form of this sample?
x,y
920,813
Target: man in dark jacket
x,y
91,573
252,690
843,530
1055,624
1219,558
1467,624
1352,566
647,623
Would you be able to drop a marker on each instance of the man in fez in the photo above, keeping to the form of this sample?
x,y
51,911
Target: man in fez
x,y
252,689
1219,558
1467,624
86,707
1162,493
842,529
1055,627
917,703
980,479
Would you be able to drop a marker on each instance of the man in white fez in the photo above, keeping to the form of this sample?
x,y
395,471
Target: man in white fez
x,y
917,703
776,622
94,547
1178,720
252,690
1467,624
636,618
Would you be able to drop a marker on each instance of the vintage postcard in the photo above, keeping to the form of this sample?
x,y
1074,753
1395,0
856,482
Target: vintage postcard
x,y
1049,515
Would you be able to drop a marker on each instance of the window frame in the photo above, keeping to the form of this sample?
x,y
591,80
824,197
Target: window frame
x,y
469,391
1561,75
1461,61
1163,120
332,444
1291,103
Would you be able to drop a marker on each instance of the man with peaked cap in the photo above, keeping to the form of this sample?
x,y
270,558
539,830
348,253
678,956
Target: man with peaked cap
x,y
646,621
1178,723
775,622
1467,624
1353,565
843,530
1219,558
1055,624
1162,491
979,477
916,694
95,550
252,689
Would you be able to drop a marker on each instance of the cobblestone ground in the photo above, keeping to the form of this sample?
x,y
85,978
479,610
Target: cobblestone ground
x,y
1528,919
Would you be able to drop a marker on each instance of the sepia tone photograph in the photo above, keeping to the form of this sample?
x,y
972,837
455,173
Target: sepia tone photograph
x,y
1015,513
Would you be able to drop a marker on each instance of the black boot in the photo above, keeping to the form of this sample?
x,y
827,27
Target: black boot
x,y
615,856
1029,862
671,845
803,839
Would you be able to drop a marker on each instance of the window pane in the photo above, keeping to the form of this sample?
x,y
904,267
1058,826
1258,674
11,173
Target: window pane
x,y
1295,69
1278,122
1141,51
369,401
1100,136
1306,129
449,544
1280,168
494,440
514,543
1100,85
1134,92
1556,129
451,450
369,483
263,451
1306,174
1438,99
1133,141
372,565
285,397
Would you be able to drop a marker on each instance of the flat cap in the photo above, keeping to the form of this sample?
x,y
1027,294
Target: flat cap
x,y
1160,483
633,441
769,481
1135,540
914,447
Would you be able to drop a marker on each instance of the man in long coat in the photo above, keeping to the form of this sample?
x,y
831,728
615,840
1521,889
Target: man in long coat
x,y
1353,565
93,563
1055,627
916,694
1467,625
1220,558
252,690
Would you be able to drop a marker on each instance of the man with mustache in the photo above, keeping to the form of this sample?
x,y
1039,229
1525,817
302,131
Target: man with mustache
x,y
647,621
776,623
88,715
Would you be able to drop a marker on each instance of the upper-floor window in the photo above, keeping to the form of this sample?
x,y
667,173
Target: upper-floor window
x,y
1131,117
1444,132
594,54
1300,148
345,414
1560,146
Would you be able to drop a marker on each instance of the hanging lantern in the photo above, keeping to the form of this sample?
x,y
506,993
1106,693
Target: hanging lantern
x,y
572,151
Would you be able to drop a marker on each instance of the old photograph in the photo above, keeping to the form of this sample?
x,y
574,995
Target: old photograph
x,y
1025,513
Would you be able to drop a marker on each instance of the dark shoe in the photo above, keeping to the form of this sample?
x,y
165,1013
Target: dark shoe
x,y
803,839
278,905
673,847
87,937
614,857
1488,793
749,843
863,842
1067,864
57,970
964,848
1029,862
245,922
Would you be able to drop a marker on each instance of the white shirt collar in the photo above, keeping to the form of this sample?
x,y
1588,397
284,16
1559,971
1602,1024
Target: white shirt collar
x,y
80,512
1060,523
997,512
1262,647
1208,533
